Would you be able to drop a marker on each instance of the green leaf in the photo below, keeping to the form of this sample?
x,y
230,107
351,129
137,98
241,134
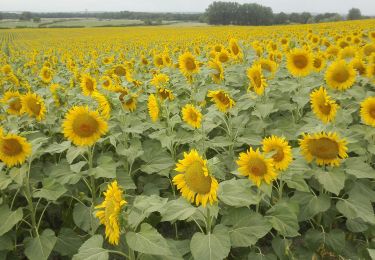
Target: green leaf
x,y
213,246
106,168
40,247
310,205
92,249
50,191
6,243
257,256
148,241
245,227
124,179
62,173
237,193
336,240
333,181
357,207
84,219
57,148
9,218
68,242
262,110
358,168
283,217
4,181
178,209
73,152
157,160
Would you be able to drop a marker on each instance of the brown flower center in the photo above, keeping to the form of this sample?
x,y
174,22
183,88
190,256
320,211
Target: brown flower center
x,y
300,61
190,64
196,180
85,125
340,75
257,167
10,147
324,148
34,106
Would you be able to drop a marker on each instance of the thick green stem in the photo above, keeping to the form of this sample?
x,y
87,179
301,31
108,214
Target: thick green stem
x,y
28,194
208,221
92,178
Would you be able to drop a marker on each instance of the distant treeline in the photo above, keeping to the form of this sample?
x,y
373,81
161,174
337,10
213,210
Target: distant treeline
x,y
217,13
254,14
107,15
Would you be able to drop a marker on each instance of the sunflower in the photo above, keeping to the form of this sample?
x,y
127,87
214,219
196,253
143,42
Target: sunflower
x,y
159,80
235,49
119,70
158,60
130,103
165,94
13,101
109,212
46,75
257,80
359,65
256,166
368,49
106,82
33,105
319,62
83,126
268,66
325,148
104,107
14,149
88,85
188,64
348,53
223,56
370,71
153,107
368,111
218,75
300,62
340,75
282,156
144,60
6,69
194,181
222,99
192,116
322,105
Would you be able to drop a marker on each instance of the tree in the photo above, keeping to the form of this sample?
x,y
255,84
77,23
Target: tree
x,y
25,16
1,16
354,14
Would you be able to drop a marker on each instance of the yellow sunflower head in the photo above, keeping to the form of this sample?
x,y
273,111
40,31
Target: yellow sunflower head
x,y
257,81
153,107
165,94
106,82
13,100
83,126
130,103
235,49
370,71
268,66
159,80
223,56
158,60
324,148
256,167
192,116
194,181
340,75
322,105
6,69
33,105
88,84
46,74
104,107
119,70
300,62
359,65
188,64
319,62
14,149
109,211
282,156
368,111
218,74
222,100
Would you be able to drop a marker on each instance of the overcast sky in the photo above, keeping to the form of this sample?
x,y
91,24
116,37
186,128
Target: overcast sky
x,y
314,6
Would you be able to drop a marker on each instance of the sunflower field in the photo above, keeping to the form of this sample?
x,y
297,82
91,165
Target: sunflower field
x,y
188,143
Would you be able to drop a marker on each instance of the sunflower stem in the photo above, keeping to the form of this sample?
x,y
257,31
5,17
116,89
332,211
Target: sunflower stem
x,y
208,221
28,195
90,155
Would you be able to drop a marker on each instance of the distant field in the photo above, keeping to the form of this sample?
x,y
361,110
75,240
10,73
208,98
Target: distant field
x,y
83,22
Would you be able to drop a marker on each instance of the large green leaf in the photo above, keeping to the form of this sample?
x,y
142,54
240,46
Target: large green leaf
x,y
51,190
237,193
178,209
245,227
333,180
68,242
283,217
357,207
148,241
40,247
357,167
211,246
84,218
310,205
92,249
9,218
